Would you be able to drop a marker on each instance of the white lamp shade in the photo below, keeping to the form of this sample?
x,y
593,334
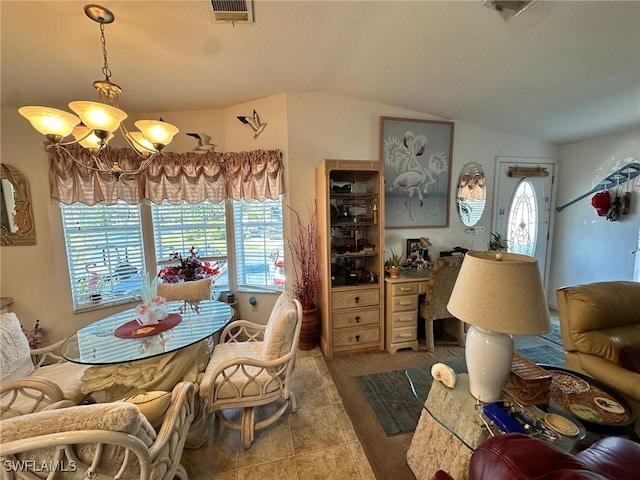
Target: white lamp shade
x,y
157,131
50,121
500,292
98,116
87,138
140,143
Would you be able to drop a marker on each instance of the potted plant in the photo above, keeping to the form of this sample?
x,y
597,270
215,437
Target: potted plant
x,y
497,242
306,283
394,262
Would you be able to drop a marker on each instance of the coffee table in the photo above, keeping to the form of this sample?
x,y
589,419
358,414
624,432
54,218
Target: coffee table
x,y
450,429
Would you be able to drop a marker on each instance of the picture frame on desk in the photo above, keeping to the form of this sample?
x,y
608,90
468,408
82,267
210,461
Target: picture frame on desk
x,y
417,156
415,251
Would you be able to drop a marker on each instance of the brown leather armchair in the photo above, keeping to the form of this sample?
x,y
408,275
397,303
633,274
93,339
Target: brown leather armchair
x,y
600,327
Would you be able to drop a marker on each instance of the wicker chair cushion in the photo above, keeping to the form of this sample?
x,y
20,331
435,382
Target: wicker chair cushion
x,y
15,355
238,378
119,417
153,405
279,332
189,291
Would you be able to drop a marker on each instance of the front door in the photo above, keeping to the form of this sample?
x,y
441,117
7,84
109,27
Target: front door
x,y
522,209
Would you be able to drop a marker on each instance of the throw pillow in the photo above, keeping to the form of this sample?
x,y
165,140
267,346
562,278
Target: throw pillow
x,y
630,358
153,405
15,354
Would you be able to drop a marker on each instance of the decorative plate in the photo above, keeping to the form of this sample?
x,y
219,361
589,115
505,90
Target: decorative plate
x,y
586,413
133,329
561,424
608,404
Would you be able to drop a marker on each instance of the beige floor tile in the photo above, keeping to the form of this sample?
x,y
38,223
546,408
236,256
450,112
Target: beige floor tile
x,y
329,463
315,429
361,461
222,476
271,443
279,470
219,454
345,423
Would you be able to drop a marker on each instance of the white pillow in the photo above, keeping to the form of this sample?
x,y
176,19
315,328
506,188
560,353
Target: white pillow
x,y
15,354
153,405
279,332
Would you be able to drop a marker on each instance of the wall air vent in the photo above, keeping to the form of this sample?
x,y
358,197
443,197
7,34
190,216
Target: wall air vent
x,y
231,11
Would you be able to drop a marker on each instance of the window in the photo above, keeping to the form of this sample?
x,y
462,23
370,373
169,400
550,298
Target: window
x,y
259,245
104,251
106,246
177,228
523,220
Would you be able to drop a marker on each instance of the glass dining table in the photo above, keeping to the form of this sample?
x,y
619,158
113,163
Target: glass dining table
x,y
118,339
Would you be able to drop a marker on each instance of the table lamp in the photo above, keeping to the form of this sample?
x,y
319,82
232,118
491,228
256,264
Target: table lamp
x,y
499,295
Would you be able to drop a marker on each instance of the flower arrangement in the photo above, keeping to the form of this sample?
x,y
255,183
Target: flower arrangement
x,y
190,268
153,307
35,335
304,248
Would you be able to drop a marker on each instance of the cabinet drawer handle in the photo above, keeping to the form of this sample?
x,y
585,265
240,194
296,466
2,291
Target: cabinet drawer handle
x,y
356,299
357,319
357,338
405,319
406,289
406,335
405,303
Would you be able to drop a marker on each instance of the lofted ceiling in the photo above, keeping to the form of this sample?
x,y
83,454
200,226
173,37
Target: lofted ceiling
x,y
561,71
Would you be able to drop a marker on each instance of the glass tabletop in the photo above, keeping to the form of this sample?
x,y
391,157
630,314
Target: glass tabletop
x,y
97,344
458,412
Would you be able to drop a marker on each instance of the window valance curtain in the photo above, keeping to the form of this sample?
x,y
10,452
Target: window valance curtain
x,y
176,177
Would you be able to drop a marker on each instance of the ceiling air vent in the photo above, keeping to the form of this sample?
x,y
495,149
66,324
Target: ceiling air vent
x,y
231,11
508,8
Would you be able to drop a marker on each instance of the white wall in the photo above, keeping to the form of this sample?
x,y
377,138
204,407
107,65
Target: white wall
x,y
323,125
307,127
589,248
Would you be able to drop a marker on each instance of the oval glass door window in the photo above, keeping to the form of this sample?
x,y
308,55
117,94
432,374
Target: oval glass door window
x,y
472,194
523,220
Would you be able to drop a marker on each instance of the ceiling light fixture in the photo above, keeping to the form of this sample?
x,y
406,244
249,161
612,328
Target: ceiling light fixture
x,y
96,122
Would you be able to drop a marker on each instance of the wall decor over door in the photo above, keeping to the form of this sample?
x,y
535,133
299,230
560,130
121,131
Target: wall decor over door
x,y
417,156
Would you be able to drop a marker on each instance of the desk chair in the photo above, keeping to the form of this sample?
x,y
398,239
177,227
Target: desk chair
x,y
433,306
252,366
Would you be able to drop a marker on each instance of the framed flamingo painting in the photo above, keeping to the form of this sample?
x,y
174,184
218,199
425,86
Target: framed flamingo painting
x,y
417,156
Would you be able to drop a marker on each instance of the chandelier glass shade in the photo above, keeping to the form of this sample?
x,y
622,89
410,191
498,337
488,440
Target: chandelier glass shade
x,y
95,123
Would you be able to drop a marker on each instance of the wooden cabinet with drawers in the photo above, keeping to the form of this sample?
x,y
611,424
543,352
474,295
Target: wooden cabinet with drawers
x,y
401,318
351,254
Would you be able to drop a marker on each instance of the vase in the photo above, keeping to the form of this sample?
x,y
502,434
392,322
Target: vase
x,y
147,318
310,330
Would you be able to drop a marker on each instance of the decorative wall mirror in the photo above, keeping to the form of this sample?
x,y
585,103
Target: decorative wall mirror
x,y
16,216
472,194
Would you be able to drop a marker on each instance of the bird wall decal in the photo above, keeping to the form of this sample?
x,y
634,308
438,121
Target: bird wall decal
x,y
254,122
204,142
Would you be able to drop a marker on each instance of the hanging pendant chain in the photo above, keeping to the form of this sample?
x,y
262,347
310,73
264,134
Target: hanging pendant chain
x,y
106,71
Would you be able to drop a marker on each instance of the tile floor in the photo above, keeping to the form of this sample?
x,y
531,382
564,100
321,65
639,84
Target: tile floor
x,y
316,442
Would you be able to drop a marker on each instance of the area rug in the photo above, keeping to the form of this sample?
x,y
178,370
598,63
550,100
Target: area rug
x,y
554,335
396,397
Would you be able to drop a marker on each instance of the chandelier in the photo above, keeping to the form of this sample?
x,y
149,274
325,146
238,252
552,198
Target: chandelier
x,y
95,122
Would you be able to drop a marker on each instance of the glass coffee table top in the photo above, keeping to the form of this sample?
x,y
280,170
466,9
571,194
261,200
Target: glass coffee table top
x,y
457,411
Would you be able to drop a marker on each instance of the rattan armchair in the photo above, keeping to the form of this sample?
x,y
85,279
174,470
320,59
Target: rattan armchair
x,y
99,441
253,366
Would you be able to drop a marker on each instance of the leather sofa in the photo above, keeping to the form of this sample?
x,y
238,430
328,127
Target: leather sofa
x,y
600,328
517,456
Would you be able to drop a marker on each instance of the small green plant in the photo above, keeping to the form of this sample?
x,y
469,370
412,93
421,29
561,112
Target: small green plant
x,y
394,260
497,242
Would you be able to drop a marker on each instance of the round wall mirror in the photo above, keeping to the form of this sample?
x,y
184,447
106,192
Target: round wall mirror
x,y
16,217
472,194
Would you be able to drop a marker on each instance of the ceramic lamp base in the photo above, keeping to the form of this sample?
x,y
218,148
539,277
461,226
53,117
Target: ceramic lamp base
x,y
489,357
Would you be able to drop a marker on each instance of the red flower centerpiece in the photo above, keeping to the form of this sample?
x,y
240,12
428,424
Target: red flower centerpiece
x,y
189,269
